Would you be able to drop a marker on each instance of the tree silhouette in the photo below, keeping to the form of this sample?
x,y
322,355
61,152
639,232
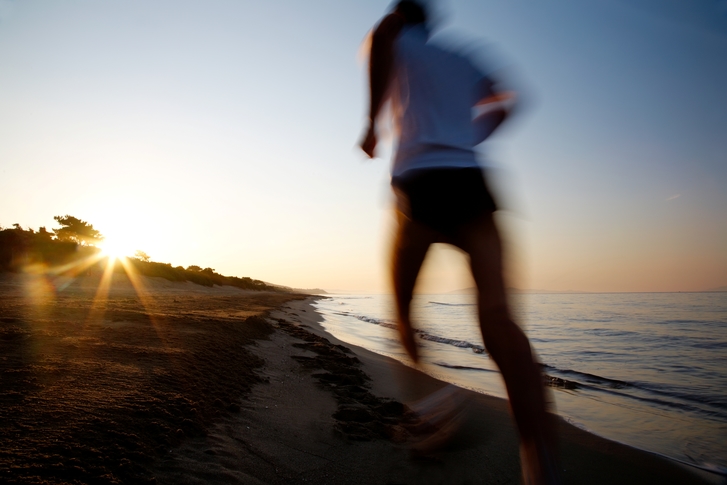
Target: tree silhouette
x,y
73,243
75,230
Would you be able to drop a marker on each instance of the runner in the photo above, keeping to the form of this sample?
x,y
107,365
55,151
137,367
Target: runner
x,y
442,197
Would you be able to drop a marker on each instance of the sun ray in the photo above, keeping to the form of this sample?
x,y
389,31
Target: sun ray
x,y
137,284
147,303
113,259
64,275
102,292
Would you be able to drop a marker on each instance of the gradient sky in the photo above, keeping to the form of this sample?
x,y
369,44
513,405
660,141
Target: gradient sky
x,y
223,133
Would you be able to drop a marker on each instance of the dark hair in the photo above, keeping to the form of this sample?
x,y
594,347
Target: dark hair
x,y
412,11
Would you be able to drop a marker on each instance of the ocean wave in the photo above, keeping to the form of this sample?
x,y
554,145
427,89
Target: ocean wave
x,y
464,367
715,401
548,380
680,322
664,403
590,378
594,383
462,344
590,320
452,304
608,332
710,406
710,345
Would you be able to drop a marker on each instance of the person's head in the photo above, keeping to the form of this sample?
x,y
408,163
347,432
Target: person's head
x,y
413,12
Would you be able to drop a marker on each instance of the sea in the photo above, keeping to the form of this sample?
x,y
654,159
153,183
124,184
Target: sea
x,y
645,369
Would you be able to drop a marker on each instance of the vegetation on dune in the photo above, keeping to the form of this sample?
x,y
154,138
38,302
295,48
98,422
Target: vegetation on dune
x,y
205,277
71,250
75,230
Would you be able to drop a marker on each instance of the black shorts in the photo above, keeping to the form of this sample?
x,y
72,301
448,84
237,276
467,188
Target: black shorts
x,y
444,198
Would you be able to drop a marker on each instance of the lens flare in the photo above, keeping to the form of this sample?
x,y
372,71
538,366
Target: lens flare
x,y
117,248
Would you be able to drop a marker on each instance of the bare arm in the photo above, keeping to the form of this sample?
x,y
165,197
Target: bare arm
x,y
381,62
494,107
497,97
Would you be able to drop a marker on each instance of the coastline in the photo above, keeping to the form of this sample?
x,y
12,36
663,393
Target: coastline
x,y
490,436
194,385
630,369
289,431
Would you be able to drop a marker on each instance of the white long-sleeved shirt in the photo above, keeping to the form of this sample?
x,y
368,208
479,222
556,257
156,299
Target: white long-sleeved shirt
x,y
433,92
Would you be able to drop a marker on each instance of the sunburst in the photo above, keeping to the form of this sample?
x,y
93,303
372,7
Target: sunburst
x,y
117,248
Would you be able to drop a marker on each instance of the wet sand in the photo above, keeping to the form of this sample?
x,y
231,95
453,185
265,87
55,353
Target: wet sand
x,y
187,384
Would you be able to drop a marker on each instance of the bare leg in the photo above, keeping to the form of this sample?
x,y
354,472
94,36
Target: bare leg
x,y
410,248
510,348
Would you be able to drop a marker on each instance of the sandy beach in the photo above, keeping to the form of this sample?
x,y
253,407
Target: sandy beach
x,y
178,383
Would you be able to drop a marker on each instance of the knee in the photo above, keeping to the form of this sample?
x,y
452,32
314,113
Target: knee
x,y
494,319
505,340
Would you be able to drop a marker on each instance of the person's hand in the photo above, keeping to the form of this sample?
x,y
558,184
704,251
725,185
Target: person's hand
x,y
368,142
502,96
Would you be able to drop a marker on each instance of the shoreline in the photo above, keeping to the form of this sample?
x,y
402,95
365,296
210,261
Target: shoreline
x,y
194,385
628,410
583,452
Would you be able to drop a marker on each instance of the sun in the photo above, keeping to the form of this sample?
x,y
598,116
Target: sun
x,y
117,248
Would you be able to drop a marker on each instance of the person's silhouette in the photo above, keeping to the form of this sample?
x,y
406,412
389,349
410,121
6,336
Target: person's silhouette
x,y
442,197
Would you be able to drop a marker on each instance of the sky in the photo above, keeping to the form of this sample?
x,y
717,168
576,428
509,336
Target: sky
x,y
223,134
